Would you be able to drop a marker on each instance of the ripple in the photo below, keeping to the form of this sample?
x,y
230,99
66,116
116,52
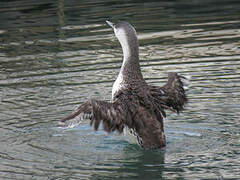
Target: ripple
x,y
54,56
214,23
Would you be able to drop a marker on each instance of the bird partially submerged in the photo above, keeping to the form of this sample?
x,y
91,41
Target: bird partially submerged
x,y
135,104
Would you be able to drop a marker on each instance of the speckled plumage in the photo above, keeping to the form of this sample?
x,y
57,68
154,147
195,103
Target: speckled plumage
x,y
135,104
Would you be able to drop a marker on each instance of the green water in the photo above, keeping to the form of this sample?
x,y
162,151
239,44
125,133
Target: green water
x,y
56,54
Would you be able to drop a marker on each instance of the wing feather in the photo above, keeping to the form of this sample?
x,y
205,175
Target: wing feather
x,y
172,95
110,114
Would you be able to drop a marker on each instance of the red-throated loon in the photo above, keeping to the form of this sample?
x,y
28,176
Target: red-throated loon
x,y
135,104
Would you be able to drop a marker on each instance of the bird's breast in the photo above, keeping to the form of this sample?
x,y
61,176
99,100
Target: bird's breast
x,y
117,85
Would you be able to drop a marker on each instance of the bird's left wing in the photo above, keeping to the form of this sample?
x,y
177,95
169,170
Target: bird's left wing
x,y
172,95
112,115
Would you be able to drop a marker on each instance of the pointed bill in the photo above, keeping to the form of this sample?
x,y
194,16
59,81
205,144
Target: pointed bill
x,y
110,24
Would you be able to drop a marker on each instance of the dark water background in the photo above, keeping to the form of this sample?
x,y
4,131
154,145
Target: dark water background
x,y
56,54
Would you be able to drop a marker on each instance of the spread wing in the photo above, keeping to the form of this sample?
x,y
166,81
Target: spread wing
x,y
112,115
172,95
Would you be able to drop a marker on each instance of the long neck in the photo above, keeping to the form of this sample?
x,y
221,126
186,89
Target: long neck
x,y
130,67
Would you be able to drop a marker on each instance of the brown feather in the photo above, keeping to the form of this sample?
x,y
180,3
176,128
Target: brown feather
x,y
140,107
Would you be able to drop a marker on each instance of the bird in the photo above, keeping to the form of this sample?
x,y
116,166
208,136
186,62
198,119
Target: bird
x,y
135,105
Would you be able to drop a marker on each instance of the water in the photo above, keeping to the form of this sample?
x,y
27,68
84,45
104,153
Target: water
x,y
56,54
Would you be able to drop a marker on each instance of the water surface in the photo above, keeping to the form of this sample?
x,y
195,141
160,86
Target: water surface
x,y
56,54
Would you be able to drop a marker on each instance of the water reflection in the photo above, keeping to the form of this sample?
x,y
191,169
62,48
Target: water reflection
x,y
55,55
135,163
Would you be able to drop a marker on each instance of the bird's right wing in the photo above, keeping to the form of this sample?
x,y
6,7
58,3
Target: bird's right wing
x,y
112,115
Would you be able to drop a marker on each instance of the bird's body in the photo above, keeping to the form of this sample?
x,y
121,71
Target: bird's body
x,y
135,104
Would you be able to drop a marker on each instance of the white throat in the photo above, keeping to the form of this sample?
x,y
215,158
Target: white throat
x,y
129,43
130,69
